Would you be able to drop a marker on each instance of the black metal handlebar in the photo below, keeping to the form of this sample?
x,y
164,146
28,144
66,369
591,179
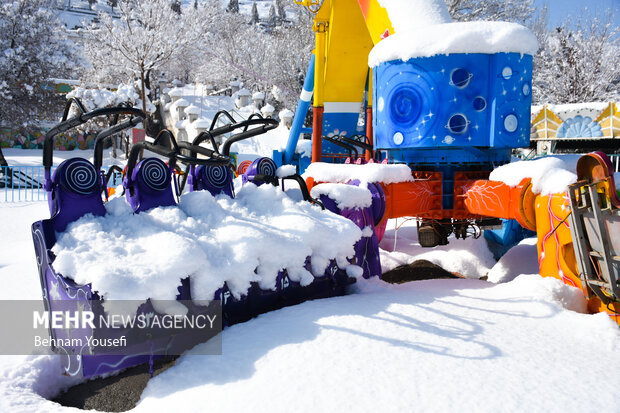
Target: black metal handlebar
x,y
173,152
304,189
214,157
267,125
106,133
350,148
354,142
79,119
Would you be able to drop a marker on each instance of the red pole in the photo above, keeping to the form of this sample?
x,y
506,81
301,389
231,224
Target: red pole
x,y
317,133
369,154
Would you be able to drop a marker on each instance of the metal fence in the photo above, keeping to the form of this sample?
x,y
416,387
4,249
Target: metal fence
x,y
22,183
25,183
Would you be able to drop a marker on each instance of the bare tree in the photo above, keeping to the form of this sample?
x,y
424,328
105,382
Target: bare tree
x,y
506,10
147,35
261,59
34,48
578,62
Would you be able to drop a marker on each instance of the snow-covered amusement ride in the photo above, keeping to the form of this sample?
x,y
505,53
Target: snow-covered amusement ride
x,y
448,101
312,268
441,112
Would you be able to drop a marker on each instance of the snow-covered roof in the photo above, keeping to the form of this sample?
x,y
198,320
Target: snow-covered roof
x,y
72,82
267,109
572,107
447,38
285,113
244,92
192,110
258,95
175,92
182,103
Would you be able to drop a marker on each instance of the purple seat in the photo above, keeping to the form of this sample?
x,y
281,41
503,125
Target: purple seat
x,y
367,248
217,179
260,171
74,191
149,185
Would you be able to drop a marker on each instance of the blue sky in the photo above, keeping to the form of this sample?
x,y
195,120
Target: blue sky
x,y
560,9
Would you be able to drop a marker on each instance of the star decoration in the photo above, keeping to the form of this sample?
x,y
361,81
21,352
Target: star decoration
x,y
54,292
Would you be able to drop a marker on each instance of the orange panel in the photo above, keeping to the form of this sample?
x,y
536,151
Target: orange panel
x,y
496,199
412,198
423,197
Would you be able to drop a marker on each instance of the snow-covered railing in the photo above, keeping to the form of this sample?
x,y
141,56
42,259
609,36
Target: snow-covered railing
x,y
25,183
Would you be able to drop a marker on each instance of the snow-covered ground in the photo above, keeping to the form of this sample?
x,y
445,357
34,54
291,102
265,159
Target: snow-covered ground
x,y
438,345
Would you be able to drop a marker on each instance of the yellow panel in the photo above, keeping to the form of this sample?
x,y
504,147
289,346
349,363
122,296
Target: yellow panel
x,y
551,117
324,12
609,110
348,46
377,20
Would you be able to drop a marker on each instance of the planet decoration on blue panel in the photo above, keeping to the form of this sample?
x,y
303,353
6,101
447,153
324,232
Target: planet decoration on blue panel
x,y
473,107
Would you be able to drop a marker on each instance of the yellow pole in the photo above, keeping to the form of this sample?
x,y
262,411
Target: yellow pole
x,y
320,28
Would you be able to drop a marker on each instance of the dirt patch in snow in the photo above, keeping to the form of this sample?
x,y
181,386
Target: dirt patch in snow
x,y
117,393
417,271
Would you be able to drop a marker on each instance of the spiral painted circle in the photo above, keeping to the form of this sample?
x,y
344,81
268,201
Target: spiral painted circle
x,y
80,176
155,174
243,166
216,175
266,166
405,105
